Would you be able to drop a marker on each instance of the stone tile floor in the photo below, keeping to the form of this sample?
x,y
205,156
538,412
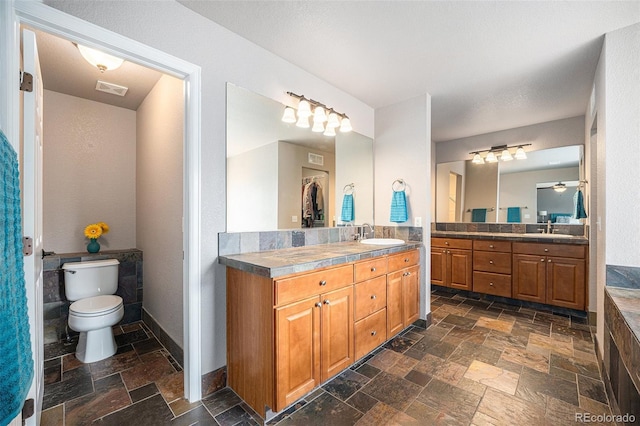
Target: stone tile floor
x,y
479,363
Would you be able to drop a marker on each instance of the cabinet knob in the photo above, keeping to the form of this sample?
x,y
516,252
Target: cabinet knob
x,y
491,262
318,305
406,259
448,252
541,260
373,297
491,284
490,245
323,282
546,250
373,269
446,243
327,302
444,251
549,260
373,333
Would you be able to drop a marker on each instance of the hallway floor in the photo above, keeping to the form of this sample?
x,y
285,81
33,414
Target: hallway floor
x,y
479,363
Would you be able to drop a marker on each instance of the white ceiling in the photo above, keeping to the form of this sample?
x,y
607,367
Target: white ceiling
x,y
64,70
488,65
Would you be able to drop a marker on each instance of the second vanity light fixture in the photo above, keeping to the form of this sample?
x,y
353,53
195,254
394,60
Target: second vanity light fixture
x,y
499,152
321,114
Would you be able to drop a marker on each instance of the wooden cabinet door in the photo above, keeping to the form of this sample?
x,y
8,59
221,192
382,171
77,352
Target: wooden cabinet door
x,y
297,350
438,266
529,277
394,303
566,282
411,295
337,332
459,269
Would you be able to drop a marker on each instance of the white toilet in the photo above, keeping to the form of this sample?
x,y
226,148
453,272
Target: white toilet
x,y
95,309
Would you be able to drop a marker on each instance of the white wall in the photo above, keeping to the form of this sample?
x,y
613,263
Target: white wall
x,y
402,149
159,189
223,57
481,190
443,173
617,153
255,173
89,173
354,164
569,131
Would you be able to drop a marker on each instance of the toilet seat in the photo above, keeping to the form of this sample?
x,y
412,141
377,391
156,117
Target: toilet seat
x,y
96,306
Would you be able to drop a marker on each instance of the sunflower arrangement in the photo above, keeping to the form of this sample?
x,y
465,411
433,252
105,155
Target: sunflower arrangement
x,y
95,230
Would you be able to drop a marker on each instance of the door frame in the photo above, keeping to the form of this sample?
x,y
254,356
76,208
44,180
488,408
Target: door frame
x,y
45,18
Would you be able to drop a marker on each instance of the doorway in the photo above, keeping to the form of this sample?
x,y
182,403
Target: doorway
x,y
40,17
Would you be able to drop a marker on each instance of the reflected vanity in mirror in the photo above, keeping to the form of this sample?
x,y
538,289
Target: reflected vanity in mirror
x,y
533,190
280,176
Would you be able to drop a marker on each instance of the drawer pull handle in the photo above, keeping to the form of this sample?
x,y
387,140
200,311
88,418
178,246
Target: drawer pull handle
x,y
406,259
491,262
318,305
546,250
446,243
373,269
327,302
373,297
323,282
491,284
373,333
491,246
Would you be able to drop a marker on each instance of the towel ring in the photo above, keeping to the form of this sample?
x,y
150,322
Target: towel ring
x,y
348,189
401,184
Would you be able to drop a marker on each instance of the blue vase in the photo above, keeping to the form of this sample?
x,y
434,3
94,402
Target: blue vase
x,y
93,246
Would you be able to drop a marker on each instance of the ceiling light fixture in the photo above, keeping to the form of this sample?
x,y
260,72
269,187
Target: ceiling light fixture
x,y
321,115
559,187
499,152
102,61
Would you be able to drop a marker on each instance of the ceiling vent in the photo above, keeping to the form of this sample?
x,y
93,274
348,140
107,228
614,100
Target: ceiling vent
x,y
316,159
111,88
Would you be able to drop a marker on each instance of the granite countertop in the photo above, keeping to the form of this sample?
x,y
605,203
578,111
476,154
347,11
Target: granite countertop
x,y
530,238
276,263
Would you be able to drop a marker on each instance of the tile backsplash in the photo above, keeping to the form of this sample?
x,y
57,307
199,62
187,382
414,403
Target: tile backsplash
x,y
56,305
510,228
249,242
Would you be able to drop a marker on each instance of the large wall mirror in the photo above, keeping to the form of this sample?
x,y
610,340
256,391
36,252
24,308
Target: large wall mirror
x,y
534,190
273,168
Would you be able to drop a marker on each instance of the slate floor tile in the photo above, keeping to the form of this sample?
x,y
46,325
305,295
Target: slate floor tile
x,y
392,390
316,413
345,384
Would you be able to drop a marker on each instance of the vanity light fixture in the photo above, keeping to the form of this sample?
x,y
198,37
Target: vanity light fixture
x,y
102,61
321,115
499,152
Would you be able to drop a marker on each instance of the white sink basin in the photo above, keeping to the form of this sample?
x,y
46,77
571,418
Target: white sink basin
x,y
382,241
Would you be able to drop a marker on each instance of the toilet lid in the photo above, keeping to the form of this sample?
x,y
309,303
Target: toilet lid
x,y
97,305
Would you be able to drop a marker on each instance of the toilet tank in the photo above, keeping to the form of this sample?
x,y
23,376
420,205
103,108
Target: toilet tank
x,y
90,278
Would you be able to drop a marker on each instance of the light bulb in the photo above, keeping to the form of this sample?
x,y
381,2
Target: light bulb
x,y
491,158
506,155
289,115
304,108
477,159
319,116
345,125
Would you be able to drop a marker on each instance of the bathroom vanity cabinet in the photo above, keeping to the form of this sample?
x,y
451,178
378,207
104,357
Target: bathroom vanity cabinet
x,y
543,272
451,261
289,334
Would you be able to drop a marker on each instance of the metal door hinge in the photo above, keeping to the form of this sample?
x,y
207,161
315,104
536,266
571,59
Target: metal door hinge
x,y
27,246
26,82
28,409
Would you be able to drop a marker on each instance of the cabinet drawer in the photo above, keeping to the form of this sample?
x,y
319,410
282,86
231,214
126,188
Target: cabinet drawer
x,y
371,296
370,332
298,287
451,243
403,260
544,249
496,284
492,262
490,245
370,268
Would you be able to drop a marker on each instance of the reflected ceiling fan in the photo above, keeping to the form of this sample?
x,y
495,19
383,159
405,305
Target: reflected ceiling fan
x,y
558,187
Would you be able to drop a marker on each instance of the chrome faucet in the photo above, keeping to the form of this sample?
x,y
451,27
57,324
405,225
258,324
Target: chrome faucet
x,y
363,234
